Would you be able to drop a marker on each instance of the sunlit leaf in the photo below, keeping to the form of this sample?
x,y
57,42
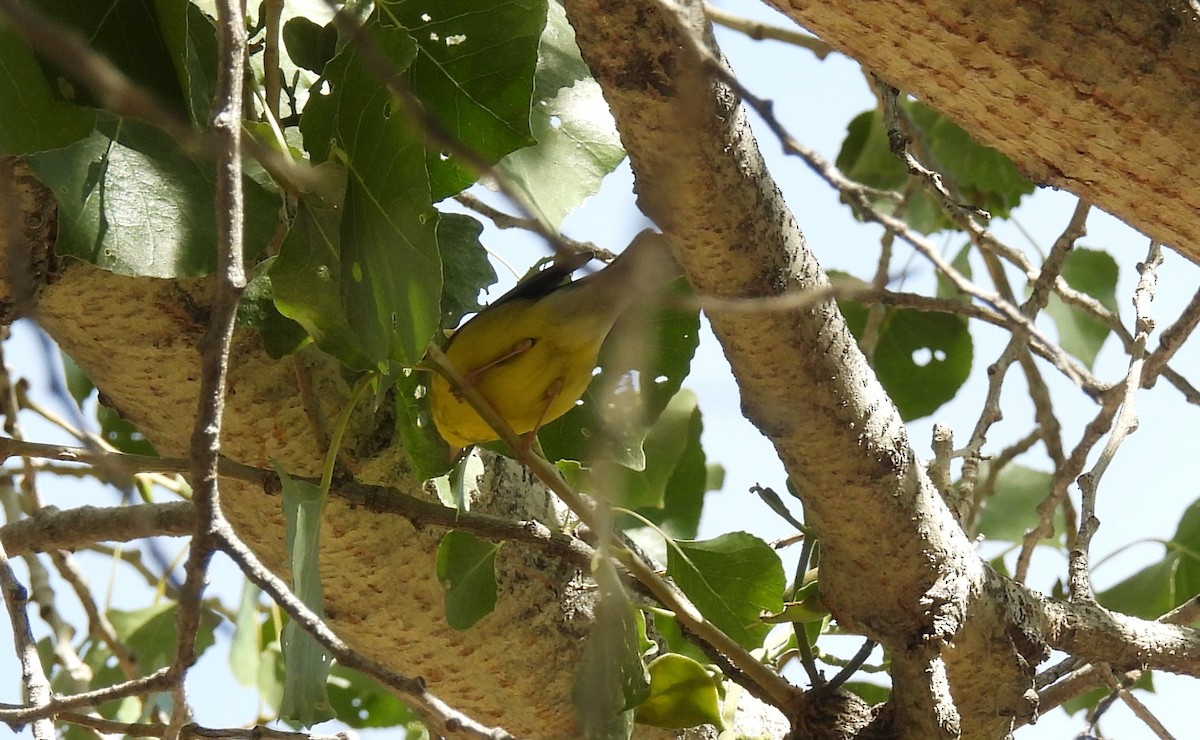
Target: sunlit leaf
x,y
682,694
732,580
132,203
577,140
1011,509
474,73
390,274
244,649
922,358
1164,585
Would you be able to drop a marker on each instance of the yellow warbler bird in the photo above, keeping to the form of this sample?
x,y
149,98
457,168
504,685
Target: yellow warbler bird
x,y
531,353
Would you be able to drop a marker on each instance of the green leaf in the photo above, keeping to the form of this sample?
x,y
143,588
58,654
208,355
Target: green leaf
x,y
922,358
962,263
610,680
281,336
425,448
132,203
1160,587
33,118
682,694
473,72
306,277
391,274
309,45
130,34
980,175
244,649
671,336
306,663
361,702
670,491
466,567
466,269
665,444
577,139
984,177
866,155
1011,510
1095,273
152,633
191,41
732,580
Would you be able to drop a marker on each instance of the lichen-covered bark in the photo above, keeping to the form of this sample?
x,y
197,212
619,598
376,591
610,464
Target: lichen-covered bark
x,y
1099,97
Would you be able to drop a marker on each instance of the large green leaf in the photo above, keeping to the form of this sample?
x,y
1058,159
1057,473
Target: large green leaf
x,y
131,202
1095,273
474,73
152,634
577,139
1160,587
33,117
306,277
390,271
732,579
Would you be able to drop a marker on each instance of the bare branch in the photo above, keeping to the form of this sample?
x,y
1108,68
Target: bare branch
x,y
33,676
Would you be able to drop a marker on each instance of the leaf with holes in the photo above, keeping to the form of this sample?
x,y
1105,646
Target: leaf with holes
x,y
922,358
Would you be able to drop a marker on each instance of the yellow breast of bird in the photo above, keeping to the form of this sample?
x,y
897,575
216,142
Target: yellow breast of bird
x,y
530,360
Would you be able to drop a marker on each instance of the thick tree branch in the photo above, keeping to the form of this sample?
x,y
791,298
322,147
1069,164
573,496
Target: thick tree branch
x,y
1096,97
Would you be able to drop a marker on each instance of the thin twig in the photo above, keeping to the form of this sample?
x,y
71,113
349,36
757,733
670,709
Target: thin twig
x,y
853,665
33,675
991,412
194,732
1140,710
1126,423
760,31
18,715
